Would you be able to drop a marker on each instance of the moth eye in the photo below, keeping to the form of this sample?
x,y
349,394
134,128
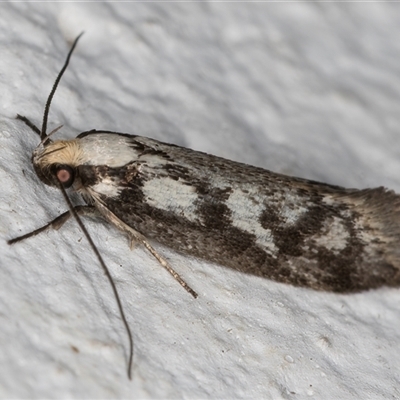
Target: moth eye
x,y
65,175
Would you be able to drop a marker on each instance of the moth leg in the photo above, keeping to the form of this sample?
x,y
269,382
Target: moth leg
x,y
132,242
58,222
136,237
165,264
29,123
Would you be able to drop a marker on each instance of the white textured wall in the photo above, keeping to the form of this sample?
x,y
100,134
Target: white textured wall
x,y
311,90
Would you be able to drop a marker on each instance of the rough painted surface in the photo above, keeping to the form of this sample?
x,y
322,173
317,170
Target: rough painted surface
x,y
251,82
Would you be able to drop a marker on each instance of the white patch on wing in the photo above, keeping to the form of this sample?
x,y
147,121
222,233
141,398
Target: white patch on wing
x,y
106,187
171,195
291,211
334,235
245,216
367,236
108,149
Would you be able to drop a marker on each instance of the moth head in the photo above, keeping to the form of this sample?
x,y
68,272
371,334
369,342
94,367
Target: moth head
x,y
56,162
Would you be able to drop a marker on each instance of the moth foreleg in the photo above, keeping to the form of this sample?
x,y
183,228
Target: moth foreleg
x,y
58,222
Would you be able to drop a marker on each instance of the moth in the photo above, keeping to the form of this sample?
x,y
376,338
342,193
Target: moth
x,y
287,229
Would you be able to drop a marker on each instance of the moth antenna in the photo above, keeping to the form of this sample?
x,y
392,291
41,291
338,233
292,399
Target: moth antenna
x,y
75,214
43,135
